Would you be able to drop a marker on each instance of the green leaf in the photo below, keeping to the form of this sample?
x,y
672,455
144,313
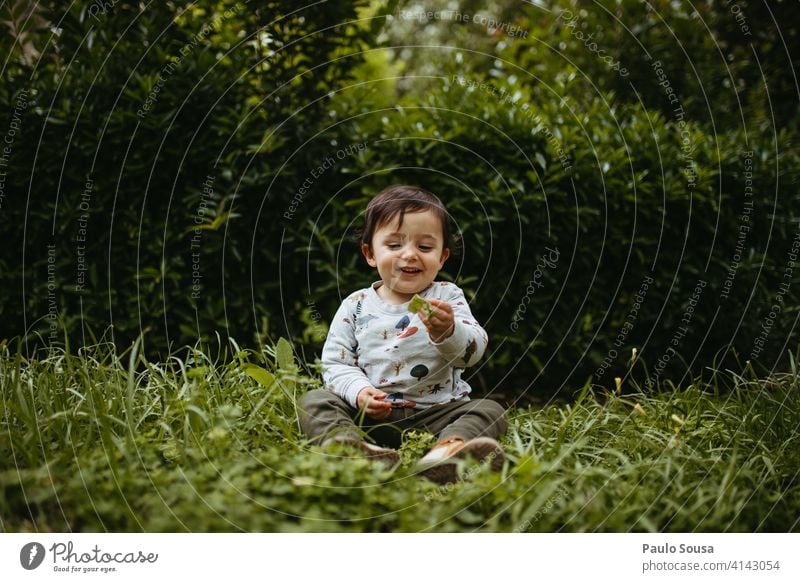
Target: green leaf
x,y
284,355
417,303
198,372
260,375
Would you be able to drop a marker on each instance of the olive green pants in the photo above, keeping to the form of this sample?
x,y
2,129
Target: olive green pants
x,y
323,414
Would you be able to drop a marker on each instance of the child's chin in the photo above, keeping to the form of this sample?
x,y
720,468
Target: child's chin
x,y
418,288
412,286
406,293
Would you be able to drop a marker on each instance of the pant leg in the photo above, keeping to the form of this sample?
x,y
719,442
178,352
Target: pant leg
x,y
467,419
322,414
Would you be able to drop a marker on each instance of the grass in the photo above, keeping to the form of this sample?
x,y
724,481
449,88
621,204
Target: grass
x,y
102,441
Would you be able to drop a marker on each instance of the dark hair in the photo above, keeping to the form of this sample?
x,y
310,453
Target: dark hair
x,y
396,201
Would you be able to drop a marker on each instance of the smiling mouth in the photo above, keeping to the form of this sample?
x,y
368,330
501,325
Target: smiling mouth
x,y
410,270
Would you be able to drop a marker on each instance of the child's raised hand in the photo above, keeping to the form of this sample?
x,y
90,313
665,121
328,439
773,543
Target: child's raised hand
x,y
371,401
440,323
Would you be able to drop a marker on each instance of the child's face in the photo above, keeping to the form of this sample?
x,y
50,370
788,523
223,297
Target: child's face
x,y
407,257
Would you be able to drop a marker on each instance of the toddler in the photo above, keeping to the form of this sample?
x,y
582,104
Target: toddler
x,y
389,369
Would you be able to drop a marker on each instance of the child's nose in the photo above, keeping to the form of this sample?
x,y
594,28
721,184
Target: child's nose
x,y
408,252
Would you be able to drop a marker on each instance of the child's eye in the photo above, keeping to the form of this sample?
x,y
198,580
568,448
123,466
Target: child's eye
x,y
393,246
425,248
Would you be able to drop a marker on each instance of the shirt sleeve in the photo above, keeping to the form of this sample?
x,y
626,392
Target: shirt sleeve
x,y
465,346
340,370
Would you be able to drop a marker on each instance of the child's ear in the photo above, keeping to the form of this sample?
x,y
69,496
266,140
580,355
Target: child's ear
x,y
445,255
367,252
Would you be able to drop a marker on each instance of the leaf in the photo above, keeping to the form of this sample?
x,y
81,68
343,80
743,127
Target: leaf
x,y
284,355
198,372
417,303
260,375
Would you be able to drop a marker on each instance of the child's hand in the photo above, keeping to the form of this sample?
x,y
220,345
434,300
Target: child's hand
x,y
441,323
371,401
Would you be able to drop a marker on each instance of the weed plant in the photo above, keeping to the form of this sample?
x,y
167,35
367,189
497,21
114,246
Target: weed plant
x,y
108,441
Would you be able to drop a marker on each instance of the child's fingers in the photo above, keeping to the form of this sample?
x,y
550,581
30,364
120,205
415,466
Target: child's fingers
x,y
440,323
442,311
376,394
377,401
441,306
437,319
369,395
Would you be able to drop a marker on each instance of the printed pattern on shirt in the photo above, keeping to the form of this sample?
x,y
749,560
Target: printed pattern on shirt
x,y
372,343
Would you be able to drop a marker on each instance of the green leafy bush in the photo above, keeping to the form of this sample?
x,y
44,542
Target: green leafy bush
x,y
567,213
216,160
149,141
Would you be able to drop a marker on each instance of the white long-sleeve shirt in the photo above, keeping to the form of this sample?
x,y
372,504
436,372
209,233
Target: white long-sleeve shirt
x,y
374,343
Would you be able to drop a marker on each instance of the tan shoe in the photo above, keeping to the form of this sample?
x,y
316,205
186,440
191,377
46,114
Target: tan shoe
x,y
388,457
441,463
